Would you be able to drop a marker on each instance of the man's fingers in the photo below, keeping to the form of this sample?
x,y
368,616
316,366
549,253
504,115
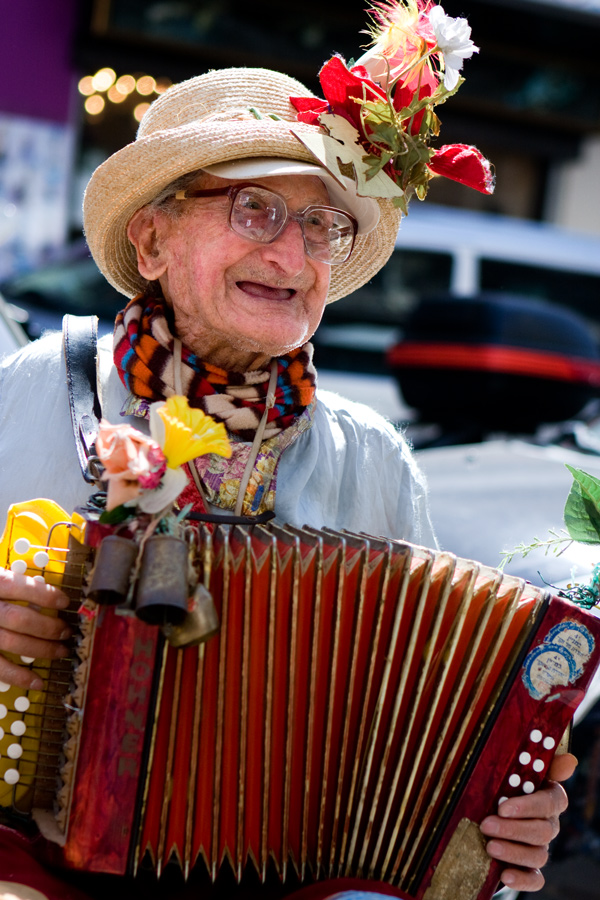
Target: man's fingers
x,y
549,802
562,767
523,879
27,631
17,621
22,587
523,855
524,833
19,676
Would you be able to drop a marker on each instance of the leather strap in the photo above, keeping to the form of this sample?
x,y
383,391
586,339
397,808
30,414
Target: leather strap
x,y
80,336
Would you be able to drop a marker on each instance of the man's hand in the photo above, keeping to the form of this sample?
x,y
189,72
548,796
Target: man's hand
x,y
521,832
25,630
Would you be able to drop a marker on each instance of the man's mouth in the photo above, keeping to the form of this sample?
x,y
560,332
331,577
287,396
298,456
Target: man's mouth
x,y
264,291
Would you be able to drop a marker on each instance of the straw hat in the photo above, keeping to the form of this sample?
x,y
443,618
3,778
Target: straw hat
x,y
207,120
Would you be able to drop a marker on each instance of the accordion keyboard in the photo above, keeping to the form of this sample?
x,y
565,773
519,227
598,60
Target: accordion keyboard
x,y
36,542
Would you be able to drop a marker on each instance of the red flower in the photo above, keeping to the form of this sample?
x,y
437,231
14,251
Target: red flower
x,y
340,86
404,94
465,165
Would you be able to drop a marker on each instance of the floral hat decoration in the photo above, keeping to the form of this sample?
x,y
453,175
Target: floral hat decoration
x,y
144,474
378,114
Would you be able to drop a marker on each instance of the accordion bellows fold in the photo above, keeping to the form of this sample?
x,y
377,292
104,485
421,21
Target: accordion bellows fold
x,y
365,701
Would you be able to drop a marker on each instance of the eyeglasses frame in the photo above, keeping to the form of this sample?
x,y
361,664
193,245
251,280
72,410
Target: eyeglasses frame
x,y
232,190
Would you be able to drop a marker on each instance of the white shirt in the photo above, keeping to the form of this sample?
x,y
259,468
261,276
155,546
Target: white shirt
x,y
350,470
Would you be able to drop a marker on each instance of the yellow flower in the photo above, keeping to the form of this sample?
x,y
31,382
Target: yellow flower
x,y
185,433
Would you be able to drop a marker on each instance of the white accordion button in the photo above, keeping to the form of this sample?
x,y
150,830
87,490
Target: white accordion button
x,y
41,559
549,743
11,776
538,765
18,729
18,566
528,787
3,711
514,780
4,687
1,733
22,704
536,736
40,579
21,546
15,751
27,660
525,758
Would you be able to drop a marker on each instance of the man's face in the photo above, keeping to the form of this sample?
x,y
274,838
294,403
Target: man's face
x,y
238,303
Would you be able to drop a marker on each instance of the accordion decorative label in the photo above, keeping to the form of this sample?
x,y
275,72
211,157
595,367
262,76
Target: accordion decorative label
x,y
559,660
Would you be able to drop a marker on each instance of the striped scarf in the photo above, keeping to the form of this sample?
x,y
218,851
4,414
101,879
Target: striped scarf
x,y
143,354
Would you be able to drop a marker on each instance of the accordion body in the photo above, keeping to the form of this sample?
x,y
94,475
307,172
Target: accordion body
x,y
365,704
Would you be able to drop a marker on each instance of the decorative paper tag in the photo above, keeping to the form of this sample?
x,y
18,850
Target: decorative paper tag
x,y
559,660
345,149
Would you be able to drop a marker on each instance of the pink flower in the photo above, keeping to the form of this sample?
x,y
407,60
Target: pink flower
x,y
132,461
402,38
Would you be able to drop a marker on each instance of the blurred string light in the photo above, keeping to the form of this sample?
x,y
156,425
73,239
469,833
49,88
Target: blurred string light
x,y
94,104
105,87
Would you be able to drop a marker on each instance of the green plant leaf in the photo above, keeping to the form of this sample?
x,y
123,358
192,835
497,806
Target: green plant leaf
x,y
582,509
401,204
117,515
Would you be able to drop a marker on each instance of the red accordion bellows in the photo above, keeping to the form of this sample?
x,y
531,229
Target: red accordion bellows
x,y
364,706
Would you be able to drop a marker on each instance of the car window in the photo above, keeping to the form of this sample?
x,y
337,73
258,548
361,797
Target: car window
x,y
74,286
577,290
393,292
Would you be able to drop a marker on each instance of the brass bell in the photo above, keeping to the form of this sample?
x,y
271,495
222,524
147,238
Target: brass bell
x,y
162,588
200,623
115,559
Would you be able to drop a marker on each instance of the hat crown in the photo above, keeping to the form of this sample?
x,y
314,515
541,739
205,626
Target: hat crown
x,y
223,94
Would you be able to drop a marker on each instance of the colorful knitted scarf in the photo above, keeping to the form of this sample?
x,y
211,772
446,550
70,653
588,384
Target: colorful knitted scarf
x,y
143,354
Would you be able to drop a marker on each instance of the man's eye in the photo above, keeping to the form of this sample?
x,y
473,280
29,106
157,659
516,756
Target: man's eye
x,y
252,203
318,220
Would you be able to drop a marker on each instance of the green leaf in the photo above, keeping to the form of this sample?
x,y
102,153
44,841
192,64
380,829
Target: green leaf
x,y
377,163
582,509
117,515
401,204
589,483
385,134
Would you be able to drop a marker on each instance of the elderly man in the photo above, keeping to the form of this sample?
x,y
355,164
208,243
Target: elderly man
x,y
231,235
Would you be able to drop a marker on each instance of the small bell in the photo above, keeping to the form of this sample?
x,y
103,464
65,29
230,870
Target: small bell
x,y
162,588
200,623
115,559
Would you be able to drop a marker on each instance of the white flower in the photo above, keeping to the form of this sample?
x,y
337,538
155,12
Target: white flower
x,y
160,498
453,38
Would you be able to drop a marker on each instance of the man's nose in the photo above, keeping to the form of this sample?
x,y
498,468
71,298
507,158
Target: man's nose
x,y
287,250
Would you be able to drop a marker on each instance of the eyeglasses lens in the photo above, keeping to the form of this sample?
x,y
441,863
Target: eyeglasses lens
x,y
260,215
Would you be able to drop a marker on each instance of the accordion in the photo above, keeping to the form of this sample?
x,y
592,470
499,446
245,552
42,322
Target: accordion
x,y
364,705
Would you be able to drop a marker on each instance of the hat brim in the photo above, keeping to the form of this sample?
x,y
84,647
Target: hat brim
x,y
342,190
137,173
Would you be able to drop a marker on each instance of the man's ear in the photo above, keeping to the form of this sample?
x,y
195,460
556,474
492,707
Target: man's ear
x,y
144,231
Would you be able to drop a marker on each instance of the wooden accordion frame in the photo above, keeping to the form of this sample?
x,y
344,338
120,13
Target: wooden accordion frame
x,y
366,703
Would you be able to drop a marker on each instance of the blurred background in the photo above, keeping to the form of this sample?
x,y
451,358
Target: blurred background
x,y
480,338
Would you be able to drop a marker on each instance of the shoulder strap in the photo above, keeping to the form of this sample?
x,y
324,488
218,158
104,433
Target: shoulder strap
x,y
80,337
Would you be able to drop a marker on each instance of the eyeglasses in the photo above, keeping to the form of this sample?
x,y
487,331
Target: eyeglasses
x,y
261,215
